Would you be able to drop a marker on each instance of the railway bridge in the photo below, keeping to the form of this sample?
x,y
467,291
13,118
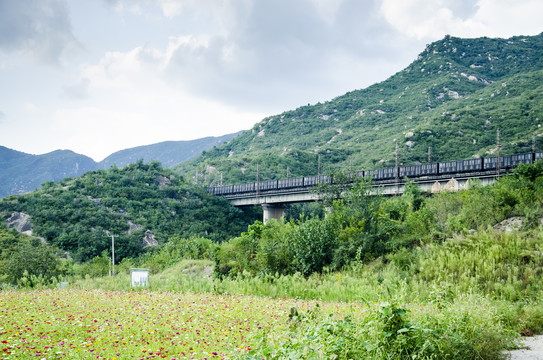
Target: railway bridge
x,y
455,175
273,201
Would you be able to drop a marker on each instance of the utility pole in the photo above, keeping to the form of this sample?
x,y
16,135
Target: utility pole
x,y
196,177
533,148
429,154
221,179
397,167
287,172
319,169
498,160
257,180
113,255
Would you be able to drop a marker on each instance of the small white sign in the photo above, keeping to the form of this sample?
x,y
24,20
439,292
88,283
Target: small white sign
x,y
139,277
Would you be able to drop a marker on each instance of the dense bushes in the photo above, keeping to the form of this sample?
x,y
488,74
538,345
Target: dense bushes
x,y
78,215
363,227
28,261
358,226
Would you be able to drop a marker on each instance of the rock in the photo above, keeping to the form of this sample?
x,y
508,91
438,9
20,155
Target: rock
x,y
454,94
149,239
510,224
210,169
163,181
94,200
133,227
20,222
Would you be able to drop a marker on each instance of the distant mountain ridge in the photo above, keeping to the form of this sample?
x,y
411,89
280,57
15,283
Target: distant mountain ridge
x,y
168,153
21,172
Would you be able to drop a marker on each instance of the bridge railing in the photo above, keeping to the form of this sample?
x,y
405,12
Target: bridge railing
x,y
386,176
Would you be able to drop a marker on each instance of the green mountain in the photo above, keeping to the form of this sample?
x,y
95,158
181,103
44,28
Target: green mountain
x,y
21,172
142,204
452,98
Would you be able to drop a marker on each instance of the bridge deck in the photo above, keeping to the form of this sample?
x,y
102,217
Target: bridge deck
x,y
385,187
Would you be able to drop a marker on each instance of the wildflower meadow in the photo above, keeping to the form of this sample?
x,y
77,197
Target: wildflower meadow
x,y
101,324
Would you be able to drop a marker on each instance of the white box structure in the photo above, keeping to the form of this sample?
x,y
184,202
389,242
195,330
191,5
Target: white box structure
x,y
139,277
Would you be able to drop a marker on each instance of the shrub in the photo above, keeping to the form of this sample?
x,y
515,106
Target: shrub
x,y
313,243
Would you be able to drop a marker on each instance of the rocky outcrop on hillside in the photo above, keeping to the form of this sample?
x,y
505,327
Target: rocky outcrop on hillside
x,y
163,182
20,222
133,227
510,224
149,239
513,224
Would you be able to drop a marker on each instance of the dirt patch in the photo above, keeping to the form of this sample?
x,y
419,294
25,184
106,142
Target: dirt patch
x,y
533,349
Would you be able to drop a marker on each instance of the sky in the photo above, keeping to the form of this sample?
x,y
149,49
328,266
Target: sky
x,y
98,76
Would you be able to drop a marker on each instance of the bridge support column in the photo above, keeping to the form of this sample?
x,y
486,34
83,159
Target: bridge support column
x,y
273,211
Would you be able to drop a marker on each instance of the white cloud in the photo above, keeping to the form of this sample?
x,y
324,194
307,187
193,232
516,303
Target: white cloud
x,y
171,8
503,18
137,106
32,109
423,19
77,91
431,19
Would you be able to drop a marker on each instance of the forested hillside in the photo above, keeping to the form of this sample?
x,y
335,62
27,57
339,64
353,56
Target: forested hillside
x,y
452,98
138,201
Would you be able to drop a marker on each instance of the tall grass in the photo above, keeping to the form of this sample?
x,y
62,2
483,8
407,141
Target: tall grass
x,y
505,267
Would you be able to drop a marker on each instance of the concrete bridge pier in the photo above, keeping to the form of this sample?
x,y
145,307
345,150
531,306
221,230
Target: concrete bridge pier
x,y
273,211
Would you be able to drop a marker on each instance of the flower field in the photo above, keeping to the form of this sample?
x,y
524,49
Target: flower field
x,y
98,324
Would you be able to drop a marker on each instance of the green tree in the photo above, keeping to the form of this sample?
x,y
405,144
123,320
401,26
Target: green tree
x,y
31,257
313,243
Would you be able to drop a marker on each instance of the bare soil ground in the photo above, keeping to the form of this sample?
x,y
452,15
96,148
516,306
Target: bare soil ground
x,y
533,349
